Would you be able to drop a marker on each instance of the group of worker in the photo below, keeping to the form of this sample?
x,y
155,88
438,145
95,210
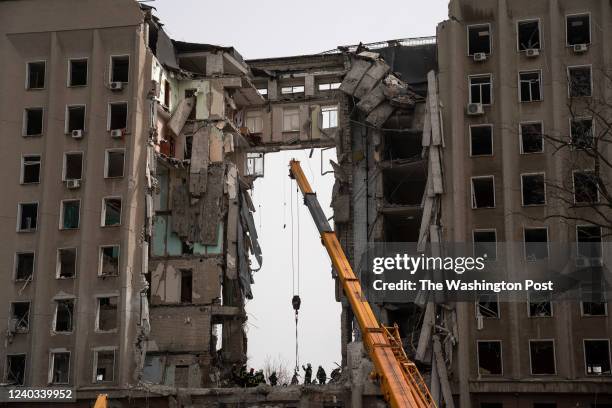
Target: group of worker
x,y
243,378
251,378
321,375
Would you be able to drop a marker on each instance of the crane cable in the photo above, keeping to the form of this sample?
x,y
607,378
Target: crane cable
x,y
295,300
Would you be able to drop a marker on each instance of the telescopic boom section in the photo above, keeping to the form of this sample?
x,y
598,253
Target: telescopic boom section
x,y
401,383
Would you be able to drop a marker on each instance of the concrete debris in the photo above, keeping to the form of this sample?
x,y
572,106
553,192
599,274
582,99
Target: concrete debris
x,y
198,169
180,115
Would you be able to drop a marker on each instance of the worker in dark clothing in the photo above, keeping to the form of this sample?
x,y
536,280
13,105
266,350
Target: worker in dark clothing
x,y
260,378
273,379
294,379
250,378
242,376
321,375
334,377
307,374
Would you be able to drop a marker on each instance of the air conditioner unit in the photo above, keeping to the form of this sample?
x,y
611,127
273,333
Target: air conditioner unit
x,y
77,134
579,48
474,109
117,133
73,184
532,52
480,56
116,86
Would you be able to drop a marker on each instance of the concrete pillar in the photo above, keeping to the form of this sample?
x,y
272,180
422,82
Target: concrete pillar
x,y
309,85
214,64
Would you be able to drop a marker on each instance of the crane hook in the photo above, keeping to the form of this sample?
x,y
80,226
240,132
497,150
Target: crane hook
x,y
296,302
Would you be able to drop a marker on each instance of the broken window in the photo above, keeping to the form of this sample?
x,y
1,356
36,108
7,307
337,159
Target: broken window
x,y
36,75
66,263
483,192
579,81
186,286
60,367
113,167
109,261
30,169
481,89
69,218
589,248
120,68
15,369
33,122
117,116
532,137
488,305
578,29
597,357
73,166
530,86
20,317
533,189
254,121
64,314
75,118
111,211
593,299
191,93
28,216
329,86
540,304
581,132
294,89
536,243
528,35
485,244
181,376
489,357
479,39
107,313
77,75
291,120
167,95
104,366
24,266
586,185
481,140
329,117
255,164
542,355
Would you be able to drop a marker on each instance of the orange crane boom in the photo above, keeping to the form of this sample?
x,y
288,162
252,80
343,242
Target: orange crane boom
x,y
400,381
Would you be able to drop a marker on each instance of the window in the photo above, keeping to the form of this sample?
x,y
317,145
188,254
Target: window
x,y
15,369
64,315
120,68
69,218
481,90
489,357
588,241
254,121
542,356
528,35
109,261
593,299
481,140
104,366
483,192
479,39
329,117
27,217
111,211
580,82
59,372
117,116
255,164
167,94
33,122
536,243
107,313
291,120
586,187
36,75
532,137
186,285
77,72
597,357
191,93
20,317
485,244
263,91
487,305
114,163
73,166
530,86
66,263
294,89
578,29
75,118
581,132
329,86
539,304
30,169
533,189
24,266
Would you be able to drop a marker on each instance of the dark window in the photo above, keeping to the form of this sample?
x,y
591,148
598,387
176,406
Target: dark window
x,y
109,260
479,39
36,75
60,373
488,306
579,79
33,122
186,286
20,316
64,315
111,215
534,191
536,244
70,214
485,244
581,132
78,72
107,313
532,140
589,241
189,93
167,94
114,163
66,262
481,89
578,29
28,216
73,166
120,69
481,138
597,357
530,86
586,187
76,118
540,304
188,146
593,297
118,116
489,358
24,266
181,376
31,169
15,369
542,354
105,366
483,192
528,35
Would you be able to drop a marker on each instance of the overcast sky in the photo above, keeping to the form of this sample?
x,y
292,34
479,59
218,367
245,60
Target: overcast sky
x,y
273,28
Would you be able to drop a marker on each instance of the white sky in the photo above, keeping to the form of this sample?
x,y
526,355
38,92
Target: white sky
x,y
274,28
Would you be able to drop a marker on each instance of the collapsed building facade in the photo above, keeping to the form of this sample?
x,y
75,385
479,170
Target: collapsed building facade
x,y
162,140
